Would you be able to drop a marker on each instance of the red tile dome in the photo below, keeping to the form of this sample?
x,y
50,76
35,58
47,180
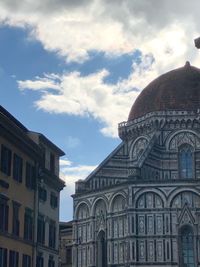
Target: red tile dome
x,y
178,89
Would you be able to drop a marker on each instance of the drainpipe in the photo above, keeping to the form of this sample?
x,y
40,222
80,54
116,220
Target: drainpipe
x,y
38,182
36,208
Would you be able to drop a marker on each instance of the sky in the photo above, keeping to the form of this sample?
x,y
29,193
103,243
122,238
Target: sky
x,y
72,69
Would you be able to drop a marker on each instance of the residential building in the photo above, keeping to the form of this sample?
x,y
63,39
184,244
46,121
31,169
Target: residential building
x,y
66,244
48,199
141,206
24,169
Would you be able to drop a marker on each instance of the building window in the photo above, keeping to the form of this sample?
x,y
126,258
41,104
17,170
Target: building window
x,y
16,224
13,259
51,262
52,163
42,194
43,154
186,162
40,261
52,234
53,201
41,230
17,168
30,176
26,261
3,257
4,209
69,255
6,160
28,225
187,247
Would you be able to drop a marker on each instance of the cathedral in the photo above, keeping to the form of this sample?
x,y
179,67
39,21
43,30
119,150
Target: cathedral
x,y
141,206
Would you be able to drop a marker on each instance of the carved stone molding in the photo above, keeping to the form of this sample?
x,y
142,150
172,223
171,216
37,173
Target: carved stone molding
x,y
183,137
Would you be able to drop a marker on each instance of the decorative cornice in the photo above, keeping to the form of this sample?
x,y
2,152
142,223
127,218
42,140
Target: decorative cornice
x,y
52,180
156,121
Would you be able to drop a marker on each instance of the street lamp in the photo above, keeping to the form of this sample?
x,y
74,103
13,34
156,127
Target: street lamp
x,y
197,42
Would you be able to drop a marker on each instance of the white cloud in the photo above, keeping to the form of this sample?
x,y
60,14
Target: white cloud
x,y
65,162
73,28
91,96
39,84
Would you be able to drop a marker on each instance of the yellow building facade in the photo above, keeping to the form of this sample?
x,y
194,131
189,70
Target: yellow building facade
x,y
22,168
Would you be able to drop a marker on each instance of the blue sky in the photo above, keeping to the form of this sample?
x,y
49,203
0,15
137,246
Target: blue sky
x,y
73,70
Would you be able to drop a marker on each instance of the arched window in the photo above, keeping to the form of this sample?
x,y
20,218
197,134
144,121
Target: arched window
x,y
187,247
83,212
118,203
190,198
186,161
149,200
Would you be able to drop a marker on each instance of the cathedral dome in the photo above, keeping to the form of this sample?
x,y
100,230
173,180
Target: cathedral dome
x,y
178,89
